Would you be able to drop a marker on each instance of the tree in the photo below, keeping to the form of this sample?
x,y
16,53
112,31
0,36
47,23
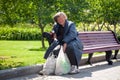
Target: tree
x,y
44,10
111,11
75,9
42,14
14,11
105,11
7,13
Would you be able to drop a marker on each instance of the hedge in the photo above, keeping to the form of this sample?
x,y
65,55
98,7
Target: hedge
x,y
22,33
7,33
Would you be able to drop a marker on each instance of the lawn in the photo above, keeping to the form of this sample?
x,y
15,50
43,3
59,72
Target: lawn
x,y
20,53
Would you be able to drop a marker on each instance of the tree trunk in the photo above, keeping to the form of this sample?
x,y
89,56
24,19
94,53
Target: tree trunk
x,y
100,27
84,26
93,27
107,26
42,30
115,28
42,38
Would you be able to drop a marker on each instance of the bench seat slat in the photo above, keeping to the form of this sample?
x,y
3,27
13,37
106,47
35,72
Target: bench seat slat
x,y
99,41
95,32
100,45
101,49
96,37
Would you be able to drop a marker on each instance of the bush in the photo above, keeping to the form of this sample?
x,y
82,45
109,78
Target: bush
x,y
118,38
8,33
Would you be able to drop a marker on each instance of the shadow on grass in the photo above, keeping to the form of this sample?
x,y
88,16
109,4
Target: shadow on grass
x,y
38,49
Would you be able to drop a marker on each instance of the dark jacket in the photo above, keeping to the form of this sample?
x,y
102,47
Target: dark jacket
x,y
70,37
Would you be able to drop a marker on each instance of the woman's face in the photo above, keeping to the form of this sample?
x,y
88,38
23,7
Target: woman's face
x,y
61,20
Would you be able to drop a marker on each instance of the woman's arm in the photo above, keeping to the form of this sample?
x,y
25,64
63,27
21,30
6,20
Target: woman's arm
x,y
64,47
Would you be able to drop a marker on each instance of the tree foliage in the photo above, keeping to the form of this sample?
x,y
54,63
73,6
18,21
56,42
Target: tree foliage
x,y
13,11
106,11
40,12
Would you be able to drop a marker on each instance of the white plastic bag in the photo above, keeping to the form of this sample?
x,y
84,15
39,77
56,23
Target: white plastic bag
x,y
49,66
62,63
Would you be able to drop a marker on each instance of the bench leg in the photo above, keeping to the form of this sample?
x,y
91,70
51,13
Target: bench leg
x,y
89,58
115,55
108,57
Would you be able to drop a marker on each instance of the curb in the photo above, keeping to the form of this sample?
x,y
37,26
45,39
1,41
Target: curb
x,y
20,71
28,70
96,58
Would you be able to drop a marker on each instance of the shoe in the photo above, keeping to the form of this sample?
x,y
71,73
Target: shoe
x,y
40,73
74,69
110,62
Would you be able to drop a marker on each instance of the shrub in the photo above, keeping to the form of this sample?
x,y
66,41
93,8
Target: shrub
x,y
8,33
118,38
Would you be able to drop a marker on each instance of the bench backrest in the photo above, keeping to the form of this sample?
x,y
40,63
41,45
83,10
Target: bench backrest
x,y
98,38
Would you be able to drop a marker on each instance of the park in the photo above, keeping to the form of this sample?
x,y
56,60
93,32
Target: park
x,y
22,45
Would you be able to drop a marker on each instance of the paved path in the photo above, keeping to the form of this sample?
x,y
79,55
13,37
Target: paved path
x,y
99,71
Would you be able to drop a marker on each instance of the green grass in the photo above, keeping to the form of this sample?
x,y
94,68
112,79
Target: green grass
x,y
20,53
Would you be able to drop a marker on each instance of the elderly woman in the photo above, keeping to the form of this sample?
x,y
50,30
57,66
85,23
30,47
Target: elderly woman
x,y
65,33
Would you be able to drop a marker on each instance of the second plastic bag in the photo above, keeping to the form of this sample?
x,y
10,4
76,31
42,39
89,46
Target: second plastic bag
x,y
62,63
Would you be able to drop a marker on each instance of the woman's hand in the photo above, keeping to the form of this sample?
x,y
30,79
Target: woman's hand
x,y
64,47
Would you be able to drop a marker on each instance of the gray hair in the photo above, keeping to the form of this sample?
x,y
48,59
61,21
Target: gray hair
x,y
58,15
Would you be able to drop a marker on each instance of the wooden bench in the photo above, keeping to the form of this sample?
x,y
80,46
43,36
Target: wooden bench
x,y
96,41
100,41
